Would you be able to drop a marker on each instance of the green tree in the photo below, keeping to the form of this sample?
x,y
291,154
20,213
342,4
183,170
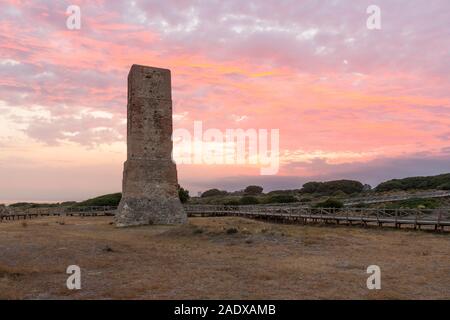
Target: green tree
x,y
331,187
232,203
213,192
183,194
311,187
280,198
330,203
253,190
441,181
248,200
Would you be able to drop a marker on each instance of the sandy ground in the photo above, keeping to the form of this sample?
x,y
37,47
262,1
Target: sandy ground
x,y
206,260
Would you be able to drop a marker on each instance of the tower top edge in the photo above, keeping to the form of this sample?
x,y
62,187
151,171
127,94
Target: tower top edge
x,y
142,67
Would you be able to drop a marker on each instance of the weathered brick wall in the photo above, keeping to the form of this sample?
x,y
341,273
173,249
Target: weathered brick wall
x,y
150,194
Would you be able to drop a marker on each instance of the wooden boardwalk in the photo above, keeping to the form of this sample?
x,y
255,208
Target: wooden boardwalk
x,y
399,197
434,219
31,213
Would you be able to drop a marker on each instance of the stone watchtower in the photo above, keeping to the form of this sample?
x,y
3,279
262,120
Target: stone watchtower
x,y
150,194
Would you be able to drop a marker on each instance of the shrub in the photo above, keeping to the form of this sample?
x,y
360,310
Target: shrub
x,y
213,192
68,203
311,187
345,186
183,194
278,192
331,187
330,203
281,199
253,190
107,249
232,203
445,186
198,231
415,203
389,186
248,200
105,200
19,204
339,194
421,183
33,205
232,230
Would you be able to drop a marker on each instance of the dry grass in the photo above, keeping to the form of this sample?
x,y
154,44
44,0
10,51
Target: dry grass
x,y
205,260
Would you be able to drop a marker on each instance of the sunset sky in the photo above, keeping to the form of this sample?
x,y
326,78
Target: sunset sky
x,y
349,102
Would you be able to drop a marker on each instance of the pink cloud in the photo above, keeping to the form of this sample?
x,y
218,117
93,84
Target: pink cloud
x,y
311,69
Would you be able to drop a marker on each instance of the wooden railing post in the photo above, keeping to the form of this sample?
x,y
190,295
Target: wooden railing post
x,y
438,224
416,218
396,216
